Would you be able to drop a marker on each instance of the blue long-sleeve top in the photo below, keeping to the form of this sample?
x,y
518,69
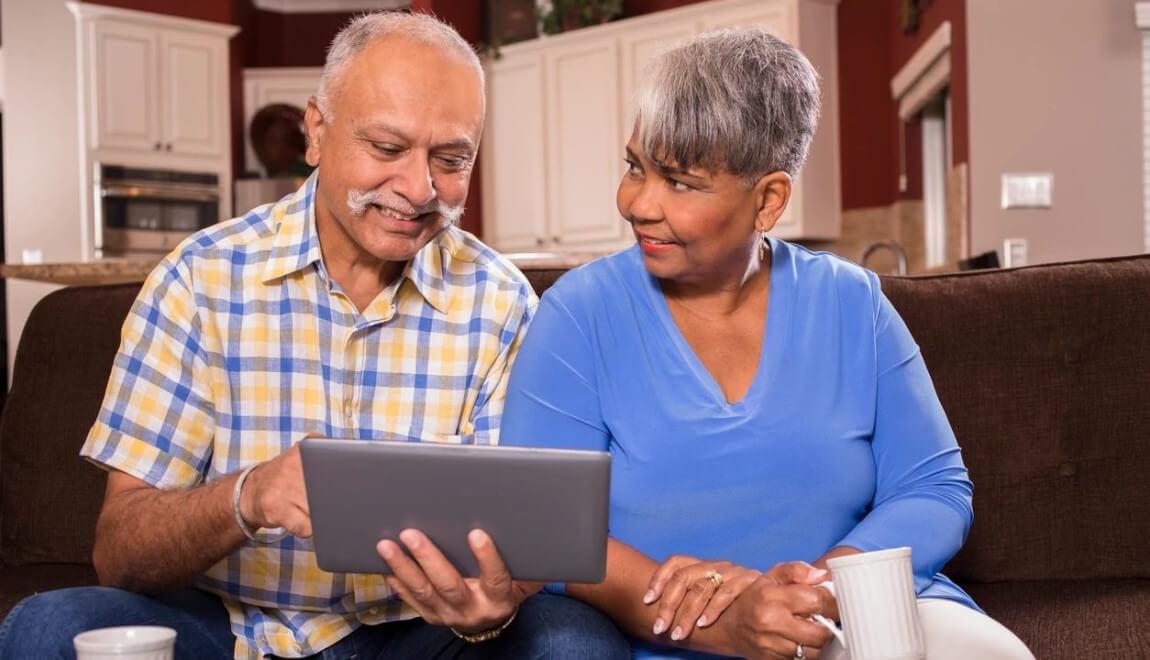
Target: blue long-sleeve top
x,y
840,440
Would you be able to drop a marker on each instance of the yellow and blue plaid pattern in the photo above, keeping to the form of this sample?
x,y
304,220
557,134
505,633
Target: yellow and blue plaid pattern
x,y
239,344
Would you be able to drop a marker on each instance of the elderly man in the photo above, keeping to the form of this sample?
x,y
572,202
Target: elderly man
x,y
353,308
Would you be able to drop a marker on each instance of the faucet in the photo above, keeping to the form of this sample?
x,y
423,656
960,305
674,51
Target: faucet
x,y
889,245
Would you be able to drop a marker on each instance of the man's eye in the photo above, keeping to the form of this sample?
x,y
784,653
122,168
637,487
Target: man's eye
x,y
453,162
678,186
387,149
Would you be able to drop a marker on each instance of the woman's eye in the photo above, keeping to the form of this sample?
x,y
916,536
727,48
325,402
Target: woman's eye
x,y
632,167
678,186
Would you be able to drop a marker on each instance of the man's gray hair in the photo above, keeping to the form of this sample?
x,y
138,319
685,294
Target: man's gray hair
x,y
741,101
366,29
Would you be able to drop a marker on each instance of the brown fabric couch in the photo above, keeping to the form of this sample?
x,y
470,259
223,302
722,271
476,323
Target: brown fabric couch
x,y
1043,371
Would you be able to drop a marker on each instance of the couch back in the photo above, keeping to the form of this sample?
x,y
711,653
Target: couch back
x,y
1044,373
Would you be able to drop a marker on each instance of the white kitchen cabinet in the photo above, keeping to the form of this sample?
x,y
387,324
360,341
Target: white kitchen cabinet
x,y
583,98
155,87
561,108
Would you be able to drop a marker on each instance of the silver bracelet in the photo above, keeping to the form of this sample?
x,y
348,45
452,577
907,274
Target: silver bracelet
x,y
278,533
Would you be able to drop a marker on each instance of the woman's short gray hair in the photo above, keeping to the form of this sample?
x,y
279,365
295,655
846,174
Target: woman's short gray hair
x,y
741,101
366,29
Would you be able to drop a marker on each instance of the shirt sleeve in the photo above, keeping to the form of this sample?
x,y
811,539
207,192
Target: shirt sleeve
x,y
922,493
553,396
486,416
157,421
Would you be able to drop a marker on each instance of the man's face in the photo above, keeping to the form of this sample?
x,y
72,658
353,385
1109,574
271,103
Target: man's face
x,y
396,156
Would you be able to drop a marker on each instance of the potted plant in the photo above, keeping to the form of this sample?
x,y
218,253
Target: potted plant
x,y
563,15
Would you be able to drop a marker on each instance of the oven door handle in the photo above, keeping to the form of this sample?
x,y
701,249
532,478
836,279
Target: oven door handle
x,y
158,192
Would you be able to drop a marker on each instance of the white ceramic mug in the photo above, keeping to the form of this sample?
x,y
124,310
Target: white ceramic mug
x,y
878,606
126,643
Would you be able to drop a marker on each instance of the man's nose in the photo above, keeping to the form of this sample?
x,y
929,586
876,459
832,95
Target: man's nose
x,y
413,180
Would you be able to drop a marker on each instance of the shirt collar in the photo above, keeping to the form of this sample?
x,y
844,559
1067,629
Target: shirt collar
x,y
296,246
296,243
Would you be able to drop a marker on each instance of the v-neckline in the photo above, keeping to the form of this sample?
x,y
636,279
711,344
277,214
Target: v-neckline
x,y
772,339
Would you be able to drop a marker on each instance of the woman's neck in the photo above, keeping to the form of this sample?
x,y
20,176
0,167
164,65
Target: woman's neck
x,y
722,294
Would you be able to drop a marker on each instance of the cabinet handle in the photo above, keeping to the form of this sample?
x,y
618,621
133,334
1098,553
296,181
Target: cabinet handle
x,y
158,146
539,242
558,240
168,146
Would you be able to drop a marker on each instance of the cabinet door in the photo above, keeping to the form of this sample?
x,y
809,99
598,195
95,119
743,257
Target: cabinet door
x,y
637,47
125,108
514,168
193,93
584,145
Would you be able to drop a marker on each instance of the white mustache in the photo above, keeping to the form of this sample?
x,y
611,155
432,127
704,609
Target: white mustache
x,y
359,200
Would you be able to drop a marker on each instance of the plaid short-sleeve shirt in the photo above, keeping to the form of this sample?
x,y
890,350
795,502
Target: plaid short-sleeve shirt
x,y
239,344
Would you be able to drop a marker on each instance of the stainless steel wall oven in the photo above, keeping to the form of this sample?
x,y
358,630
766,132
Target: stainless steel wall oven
x,y
142,211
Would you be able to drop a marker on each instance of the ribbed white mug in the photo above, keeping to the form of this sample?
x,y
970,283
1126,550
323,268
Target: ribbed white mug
x,y
877,605
126,643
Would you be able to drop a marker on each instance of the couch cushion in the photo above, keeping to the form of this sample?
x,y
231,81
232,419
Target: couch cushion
x,y
19,582
1072,618
1044,373
49,496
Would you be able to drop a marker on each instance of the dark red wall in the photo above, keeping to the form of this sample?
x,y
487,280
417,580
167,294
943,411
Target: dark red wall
x,y
872,49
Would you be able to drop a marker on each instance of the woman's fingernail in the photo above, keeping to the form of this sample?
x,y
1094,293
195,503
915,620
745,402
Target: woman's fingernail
x,y
385,550
649,597
660,626
702,621
677,633
817,573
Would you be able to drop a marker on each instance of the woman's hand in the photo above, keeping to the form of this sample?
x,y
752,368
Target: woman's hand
x,y
692,592
770,618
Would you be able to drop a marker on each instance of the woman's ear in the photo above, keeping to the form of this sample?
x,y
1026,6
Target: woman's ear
x,y
772,193
314,123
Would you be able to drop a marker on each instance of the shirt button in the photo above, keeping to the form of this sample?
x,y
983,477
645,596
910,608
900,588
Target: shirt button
x,y
347,409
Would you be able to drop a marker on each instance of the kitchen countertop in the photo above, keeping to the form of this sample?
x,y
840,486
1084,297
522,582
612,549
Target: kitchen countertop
x,y
117,271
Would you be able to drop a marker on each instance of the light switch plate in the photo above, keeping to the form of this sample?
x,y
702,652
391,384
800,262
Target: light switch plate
x,y
1015,252
1027,191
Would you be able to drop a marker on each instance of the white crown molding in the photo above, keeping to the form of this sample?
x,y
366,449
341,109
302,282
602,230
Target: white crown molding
x,y
1142,15
321,6
89,11
920,63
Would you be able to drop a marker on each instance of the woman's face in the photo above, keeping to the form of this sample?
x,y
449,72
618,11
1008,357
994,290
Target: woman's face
x,y
693,225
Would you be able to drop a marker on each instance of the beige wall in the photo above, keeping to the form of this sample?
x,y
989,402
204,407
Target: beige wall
x,y
41,166
1055,86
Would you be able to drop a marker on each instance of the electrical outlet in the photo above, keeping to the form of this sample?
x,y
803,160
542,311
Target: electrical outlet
x,y
1027,191
1015,252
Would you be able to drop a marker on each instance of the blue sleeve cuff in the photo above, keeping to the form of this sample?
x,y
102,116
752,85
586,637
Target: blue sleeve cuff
x,y
557,588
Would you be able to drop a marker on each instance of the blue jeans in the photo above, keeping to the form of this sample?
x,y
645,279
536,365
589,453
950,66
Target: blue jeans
x,y
548,626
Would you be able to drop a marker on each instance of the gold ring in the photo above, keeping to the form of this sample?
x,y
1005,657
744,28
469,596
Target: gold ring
x,y
715,577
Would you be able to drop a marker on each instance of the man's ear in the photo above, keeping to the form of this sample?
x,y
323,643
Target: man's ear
x,y
314,123
772,193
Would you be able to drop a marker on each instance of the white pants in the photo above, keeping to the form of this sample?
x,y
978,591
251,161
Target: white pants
x,y
956,632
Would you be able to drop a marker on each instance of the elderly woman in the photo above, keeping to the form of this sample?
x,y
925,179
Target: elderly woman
x,y
763,404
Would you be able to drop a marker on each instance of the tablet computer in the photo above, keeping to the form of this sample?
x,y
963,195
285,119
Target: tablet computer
x,y
546,509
